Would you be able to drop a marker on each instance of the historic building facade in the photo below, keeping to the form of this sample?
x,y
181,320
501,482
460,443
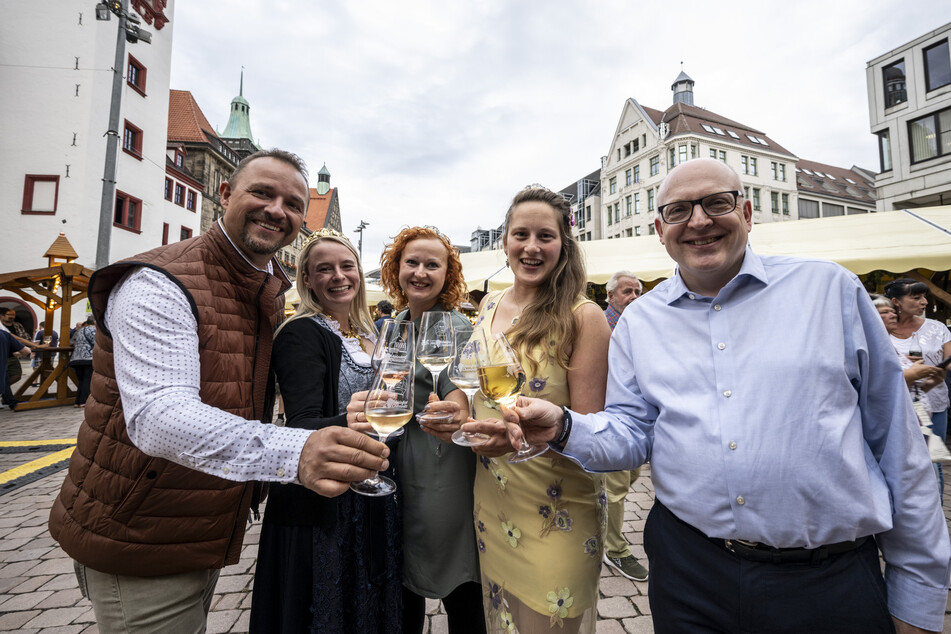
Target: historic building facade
x,y
909,102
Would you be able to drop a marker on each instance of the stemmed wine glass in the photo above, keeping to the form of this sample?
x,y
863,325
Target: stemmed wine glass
x,y
434,346
464,373
388,407
396,340
501,378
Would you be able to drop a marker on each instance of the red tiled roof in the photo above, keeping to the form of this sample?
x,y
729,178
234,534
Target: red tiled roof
x,y
317,209
686,119
830,180
186,121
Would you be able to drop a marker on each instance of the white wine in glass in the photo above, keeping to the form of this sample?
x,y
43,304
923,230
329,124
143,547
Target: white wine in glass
x,y
501,378
464,373
434,346
387,408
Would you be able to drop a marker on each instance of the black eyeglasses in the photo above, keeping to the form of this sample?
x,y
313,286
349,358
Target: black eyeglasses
x,y
718,204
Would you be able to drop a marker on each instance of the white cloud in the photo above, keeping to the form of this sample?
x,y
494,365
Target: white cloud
x,y
437,113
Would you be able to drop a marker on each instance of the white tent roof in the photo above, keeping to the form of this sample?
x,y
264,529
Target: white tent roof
x,y
895,241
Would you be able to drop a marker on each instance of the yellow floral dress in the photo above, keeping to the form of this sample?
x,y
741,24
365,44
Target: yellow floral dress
x,y
539,523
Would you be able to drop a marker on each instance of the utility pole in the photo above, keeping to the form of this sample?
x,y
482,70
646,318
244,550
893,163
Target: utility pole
x,y
133,34
363,225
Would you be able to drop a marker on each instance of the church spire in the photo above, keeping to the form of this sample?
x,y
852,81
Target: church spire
x,y
239,121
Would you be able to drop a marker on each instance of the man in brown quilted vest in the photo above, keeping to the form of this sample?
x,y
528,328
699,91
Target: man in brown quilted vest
x,y
160,485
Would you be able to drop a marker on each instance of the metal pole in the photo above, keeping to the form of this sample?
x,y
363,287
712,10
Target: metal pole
x,y
112,147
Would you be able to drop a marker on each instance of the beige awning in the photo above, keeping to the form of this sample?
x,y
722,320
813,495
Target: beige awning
x,y
895,241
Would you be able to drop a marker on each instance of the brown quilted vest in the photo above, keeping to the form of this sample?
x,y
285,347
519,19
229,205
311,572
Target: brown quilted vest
x,y
121,511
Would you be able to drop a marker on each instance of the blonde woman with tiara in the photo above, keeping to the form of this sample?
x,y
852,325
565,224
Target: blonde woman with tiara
x,y
326,564
539,523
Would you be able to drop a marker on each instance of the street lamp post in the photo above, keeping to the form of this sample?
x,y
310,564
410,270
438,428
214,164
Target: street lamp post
x,y
363,225
133,33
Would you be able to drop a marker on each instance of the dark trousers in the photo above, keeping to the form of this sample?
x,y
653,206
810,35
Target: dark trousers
x,y
463,607
83,377
697,585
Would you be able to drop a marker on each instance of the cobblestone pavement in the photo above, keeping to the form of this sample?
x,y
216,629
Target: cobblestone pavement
x,y
38,592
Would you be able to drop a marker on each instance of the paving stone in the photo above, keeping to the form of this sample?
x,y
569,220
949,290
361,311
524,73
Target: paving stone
x,y
232,583
615,608
53,567
23,601
219,622
30,584
13,621
62,599
609,626
61,582
617,585
7,584
642,603
65,629
55,617
243,624
639,625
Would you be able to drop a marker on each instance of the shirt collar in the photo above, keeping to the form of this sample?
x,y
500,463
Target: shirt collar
x,y
752,268
270,262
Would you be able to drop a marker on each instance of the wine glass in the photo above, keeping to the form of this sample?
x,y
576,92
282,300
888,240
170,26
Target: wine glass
x,y
397,339
434,347
464,373
388,407
501,378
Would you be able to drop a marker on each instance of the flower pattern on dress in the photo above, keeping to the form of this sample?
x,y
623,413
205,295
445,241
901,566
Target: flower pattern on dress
x,y
505,618
480,526
500,478
511,534
554,514
558,604
592,547
537,384
484,461
495,595
481,544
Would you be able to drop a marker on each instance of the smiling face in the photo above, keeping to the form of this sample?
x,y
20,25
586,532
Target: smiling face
x,y
422,274
264,208
532,242
708,250
331,272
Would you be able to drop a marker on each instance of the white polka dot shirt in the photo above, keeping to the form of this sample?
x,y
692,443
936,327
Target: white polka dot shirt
x,y
155,347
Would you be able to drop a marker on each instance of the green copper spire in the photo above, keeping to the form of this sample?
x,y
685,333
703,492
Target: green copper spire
x,y
239,122
323,180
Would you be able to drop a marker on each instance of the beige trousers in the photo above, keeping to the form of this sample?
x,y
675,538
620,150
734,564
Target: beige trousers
x,y
174,603
617,484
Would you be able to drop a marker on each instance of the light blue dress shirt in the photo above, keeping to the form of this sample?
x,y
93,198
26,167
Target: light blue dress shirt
x,y
776,412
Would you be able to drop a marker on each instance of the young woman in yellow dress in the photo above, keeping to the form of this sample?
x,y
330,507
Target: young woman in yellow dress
x,y
539,523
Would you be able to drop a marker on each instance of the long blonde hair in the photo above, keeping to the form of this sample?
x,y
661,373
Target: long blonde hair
x,y
550,316
310,305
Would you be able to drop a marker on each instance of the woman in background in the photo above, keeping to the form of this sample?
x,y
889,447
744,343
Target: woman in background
x,y
84,338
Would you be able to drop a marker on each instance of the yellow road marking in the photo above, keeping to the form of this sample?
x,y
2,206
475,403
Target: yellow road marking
x,y
37,443
35,465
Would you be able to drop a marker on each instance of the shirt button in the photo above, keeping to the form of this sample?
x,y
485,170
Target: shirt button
x,y
733,444
717,307
692,296
225,470
741,500
280,472
721,346
728,393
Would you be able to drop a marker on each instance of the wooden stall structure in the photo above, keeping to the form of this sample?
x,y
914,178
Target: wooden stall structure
x,y
56,287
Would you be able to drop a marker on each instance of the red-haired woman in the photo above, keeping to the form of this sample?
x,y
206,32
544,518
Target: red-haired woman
x,y
421,271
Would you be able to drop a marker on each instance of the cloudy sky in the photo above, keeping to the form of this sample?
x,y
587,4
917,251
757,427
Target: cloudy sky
x,y
437,113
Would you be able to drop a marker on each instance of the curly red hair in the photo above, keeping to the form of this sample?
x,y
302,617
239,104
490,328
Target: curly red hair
x,y
454,291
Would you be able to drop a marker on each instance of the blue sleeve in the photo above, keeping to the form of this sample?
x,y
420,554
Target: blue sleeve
x,y
917,550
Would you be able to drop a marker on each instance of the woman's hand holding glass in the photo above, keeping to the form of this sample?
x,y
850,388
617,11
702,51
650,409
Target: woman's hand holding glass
x,y
435,346
464,373
501,378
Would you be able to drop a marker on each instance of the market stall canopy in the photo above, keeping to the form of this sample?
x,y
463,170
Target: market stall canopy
x,y
374,294
895,241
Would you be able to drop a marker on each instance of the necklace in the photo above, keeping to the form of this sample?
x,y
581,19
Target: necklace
x,y
352,333
520,309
